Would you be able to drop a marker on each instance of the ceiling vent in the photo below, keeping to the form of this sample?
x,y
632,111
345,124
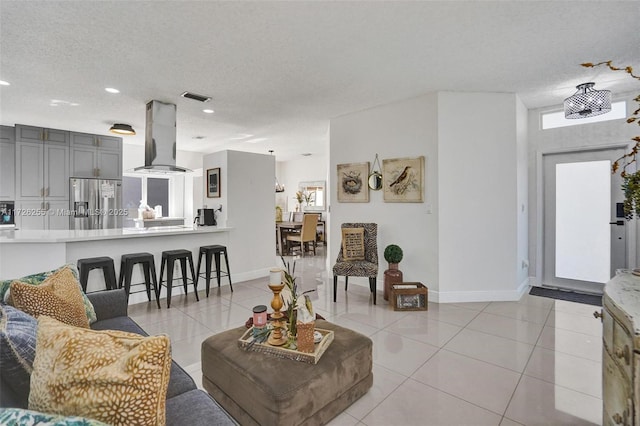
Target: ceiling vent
x,y
196,97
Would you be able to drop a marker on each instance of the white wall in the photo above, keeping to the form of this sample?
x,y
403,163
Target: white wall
x,y
246,196
466,241
402,129
478,187
601,134
291,173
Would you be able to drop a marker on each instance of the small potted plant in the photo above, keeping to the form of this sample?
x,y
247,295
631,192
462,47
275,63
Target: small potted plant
x,y
392,254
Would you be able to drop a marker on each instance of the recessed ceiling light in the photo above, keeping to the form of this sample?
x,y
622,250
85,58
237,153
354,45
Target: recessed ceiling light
x,y
4,83
208,111
112,90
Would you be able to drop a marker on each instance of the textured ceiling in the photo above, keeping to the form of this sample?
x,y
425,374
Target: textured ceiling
x,y
282,70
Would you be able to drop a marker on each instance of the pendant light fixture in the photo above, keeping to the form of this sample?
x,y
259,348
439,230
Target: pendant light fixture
x,y
587,102
122,129
279,188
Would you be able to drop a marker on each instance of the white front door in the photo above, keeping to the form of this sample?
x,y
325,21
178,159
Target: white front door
x,y
585,239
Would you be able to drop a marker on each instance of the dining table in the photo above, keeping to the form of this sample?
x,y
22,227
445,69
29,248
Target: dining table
x,y
291,226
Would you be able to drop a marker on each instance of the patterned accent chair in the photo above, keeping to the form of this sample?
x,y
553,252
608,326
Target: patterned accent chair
x,y
359,268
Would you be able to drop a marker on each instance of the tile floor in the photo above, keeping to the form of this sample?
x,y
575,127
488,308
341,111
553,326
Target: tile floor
x,y
532,362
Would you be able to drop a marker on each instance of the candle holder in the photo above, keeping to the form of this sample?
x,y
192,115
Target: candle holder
x,y
277,337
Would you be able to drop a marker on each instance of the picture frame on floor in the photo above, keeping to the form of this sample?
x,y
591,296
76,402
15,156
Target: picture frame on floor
x,y
213,183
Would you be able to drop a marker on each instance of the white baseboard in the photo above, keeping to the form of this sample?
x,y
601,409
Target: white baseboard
x,y
480,296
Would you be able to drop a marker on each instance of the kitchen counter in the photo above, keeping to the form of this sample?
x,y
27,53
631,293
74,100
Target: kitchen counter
x,y
25,252
42,236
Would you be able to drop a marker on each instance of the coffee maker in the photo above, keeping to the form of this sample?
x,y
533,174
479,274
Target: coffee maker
x,y
206,217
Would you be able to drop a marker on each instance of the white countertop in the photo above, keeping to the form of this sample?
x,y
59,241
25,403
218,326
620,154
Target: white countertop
x,y
65,236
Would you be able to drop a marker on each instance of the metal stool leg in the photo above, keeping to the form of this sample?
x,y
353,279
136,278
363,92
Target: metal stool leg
x,y
193,277
226,261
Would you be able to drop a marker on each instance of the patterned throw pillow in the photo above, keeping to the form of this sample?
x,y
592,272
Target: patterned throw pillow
x,y
17,350
37,279
116,377
18,416
353,243
58,296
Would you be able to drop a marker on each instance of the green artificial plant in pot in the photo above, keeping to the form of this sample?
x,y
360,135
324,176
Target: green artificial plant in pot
x,y
392,254
631,184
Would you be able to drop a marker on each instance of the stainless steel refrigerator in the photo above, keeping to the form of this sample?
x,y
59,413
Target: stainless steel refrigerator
x,y
95,203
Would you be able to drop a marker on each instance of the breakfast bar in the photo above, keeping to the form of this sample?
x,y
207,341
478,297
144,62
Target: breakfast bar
x,y
25,252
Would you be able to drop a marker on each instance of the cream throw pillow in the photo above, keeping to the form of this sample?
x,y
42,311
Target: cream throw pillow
x,y
59,296
115,377
353,243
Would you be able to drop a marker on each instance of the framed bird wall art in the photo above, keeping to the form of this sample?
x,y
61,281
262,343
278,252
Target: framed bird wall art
x,y
403,180
352,183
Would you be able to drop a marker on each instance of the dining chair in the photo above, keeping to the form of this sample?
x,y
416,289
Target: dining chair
x,y
361,257
307,233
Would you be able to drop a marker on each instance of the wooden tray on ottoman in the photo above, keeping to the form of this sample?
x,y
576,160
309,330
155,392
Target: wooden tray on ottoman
x,y
409,297
246,343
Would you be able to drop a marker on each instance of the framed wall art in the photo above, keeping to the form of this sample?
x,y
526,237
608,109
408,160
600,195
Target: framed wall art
x,y
403,180
352,183
213,183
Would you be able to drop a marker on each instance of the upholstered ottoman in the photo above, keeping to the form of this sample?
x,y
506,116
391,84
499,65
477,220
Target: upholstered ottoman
x,y
259,389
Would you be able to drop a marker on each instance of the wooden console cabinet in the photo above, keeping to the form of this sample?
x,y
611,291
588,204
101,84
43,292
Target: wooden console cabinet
x,y
621,350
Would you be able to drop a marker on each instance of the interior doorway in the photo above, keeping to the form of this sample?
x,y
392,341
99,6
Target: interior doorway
x,y
584,233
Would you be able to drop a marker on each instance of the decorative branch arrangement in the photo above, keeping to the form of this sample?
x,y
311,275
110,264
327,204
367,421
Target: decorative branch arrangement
x,y
635,117
631,185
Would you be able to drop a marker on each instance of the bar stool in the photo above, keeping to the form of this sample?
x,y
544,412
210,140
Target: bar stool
x,y
105,263
168,258
209,252
127,261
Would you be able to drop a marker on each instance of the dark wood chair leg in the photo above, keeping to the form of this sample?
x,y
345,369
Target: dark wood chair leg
x,y
335,287
372,286
346,282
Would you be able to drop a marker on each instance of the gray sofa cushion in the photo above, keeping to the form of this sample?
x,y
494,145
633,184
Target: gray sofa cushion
x,y
193,408
17,350
179,382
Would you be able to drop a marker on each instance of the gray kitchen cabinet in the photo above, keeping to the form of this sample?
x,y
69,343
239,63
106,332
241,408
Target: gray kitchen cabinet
x,y
7,163
96,156
40,135
41,176
42,214
42,171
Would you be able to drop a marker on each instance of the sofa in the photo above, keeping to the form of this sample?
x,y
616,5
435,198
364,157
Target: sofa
x,y
185,403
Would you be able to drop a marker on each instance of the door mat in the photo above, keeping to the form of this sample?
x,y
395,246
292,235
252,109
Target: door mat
x,y
571,296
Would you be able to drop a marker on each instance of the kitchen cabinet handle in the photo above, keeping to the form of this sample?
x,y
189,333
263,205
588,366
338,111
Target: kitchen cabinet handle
x,y
46,136
98,174
624,353
598,315
42,192
41,135
46,192
98,141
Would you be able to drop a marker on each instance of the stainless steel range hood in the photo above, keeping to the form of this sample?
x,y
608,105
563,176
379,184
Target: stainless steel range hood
x,y
160,140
